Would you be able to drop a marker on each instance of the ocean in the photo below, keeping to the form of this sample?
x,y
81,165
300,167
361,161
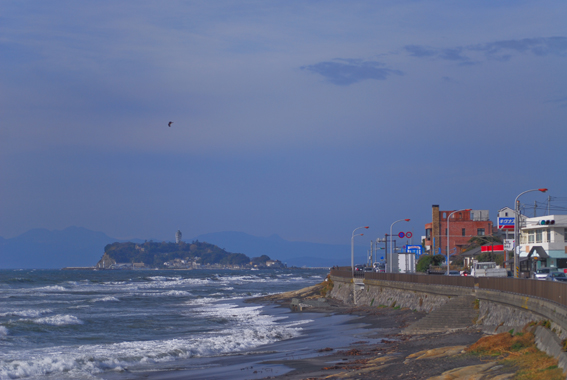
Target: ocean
x,y
131,324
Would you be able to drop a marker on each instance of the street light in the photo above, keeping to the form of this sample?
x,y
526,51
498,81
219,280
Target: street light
x,y
516,231
390,263
352,248
448,220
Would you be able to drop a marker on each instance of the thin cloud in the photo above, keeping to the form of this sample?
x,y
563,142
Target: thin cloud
x,y
499,50
537,46
344,72
420,51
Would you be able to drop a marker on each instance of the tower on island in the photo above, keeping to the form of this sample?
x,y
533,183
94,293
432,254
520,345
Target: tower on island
x,y
178,235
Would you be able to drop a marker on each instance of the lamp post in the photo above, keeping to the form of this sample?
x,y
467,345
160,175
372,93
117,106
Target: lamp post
x,y
448,220
517,231
390,261
352,248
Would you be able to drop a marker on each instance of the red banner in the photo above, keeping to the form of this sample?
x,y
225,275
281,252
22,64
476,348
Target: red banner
x,y
492,248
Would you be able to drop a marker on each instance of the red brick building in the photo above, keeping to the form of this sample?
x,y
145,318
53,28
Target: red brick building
x,y
463,226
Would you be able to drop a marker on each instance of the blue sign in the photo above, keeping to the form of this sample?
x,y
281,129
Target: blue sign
x,y
505,223
417,249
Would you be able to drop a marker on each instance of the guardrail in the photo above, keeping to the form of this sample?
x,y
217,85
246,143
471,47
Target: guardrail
x,y
548,290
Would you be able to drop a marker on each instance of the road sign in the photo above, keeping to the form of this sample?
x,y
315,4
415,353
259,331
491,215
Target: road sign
x,y
417,249
505,223
508,244
401,235
409,235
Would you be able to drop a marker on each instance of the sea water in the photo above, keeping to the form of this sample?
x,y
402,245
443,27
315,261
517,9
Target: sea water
x,y
58,324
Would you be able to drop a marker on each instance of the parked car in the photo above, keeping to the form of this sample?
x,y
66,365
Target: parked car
x,y
542,273
358,268
556,276
454,273
368,269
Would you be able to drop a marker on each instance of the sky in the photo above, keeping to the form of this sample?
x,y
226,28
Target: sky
x,y
304,119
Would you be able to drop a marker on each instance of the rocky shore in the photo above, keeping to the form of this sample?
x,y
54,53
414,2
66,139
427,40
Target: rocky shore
x,y
397,355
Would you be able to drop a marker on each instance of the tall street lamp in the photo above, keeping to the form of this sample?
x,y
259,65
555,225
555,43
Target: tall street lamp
x,y
448,220
352,248
390,262
517,231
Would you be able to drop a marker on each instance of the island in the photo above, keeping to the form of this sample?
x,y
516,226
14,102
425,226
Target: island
x,y
182,255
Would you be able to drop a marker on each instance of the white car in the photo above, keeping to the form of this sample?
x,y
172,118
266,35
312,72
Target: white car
x,y
541,273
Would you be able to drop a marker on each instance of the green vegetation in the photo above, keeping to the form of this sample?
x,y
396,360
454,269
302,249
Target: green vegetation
x,y
327,286
154,254
426,260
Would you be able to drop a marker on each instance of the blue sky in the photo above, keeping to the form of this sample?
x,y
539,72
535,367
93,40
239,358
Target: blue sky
x,y
301,118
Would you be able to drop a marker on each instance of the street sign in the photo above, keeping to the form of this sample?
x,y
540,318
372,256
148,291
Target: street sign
x,y
417,249
409,235
508,244
401,235
505,223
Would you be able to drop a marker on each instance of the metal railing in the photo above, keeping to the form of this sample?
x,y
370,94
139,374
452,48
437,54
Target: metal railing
x,y
547,290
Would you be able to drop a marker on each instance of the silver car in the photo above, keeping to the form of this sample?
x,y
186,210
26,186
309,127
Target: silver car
x,y
541,273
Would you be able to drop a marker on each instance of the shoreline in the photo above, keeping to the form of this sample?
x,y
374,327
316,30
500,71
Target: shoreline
x,y
386,359
346,342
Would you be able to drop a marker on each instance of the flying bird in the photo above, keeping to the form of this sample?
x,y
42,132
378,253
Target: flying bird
x,y
169,124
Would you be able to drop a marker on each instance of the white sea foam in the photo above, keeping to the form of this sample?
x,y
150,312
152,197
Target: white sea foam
x,y
164,278
106,299
3,332
30,313
84,361
51,288
59,320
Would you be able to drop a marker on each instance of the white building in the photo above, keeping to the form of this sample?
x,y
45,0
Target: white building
x,y
545,237
406,262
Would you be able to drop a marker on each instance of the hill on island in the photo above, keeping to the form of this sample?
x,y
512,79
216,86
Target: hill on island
x,y
171,255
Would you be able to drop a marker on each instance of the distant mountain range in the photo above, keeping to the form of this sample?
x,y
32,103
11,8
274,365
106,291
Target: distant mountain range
x,y
77,246
42,248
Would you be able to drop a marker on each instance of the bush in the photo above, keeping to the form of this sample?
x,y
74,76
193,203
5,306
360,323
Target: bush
x,y
426,260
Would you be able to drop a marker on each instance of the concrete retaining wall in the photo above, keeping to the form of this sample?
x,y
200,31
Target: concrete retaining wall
x,y
498,311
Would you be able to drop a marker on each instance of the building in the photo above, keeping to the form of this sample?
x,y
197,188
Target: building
x,y
463,226
544,238
178,236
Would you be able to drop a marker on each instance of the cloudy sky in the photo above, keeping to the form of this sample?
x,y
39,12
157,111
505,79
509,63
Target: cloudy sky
x,y
299,118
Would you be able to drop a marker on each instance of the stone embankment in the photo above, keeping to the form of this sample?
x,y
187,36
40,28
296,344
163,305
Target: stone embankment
x,y
452,308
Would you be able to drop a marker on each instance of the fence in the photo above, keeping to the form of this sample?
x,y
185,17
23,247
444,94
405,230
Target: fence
x,y
548,290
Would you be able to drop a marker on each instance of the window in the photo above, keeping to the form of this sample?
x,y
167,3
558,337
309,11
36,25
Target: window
x,y
428,233
548,240
538,235
565,234
444,215
480,231
505,214
463,232
531,237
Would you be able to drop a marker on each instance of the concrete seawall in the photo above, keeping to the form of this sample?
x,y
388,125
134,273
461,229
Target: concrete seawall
x,y
498,311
